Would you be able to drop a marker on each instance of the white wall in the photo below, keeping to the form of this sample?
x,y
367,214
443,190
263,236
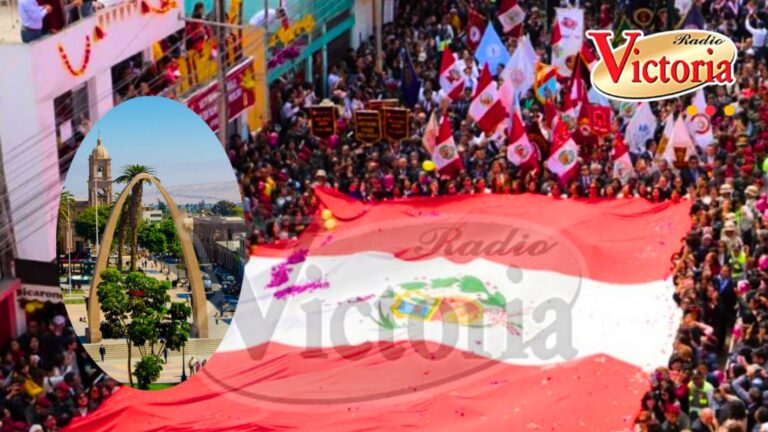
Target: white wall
x,y
31,76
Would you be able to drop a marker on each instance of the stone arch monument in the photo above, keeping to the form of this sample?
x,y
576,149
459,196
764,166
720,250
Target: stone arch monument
x,y
199,315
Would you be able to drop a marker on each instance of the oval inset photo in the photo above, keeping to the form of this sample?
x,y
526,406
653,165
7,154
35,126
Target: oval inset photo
x,y
151,243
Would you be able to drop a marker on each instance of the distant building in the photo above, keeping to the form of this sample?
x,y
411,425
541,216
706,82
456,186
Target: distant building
x,y
209,230
152,215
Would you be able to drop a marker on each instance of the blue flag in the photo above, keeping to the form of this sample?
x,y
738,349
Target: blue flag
x,y
410,84
492,51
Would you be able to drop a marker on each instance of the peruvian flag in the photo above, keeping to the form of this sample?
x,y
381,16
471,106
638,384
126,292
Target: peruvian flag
x,y
520,150
622,162
475,30
564,157
486,108
511,17
445,154
575,97
451,79
426,314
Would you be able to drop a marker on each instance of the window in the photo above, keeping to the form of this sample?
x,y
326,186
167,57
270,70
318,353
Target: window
x,y
72,123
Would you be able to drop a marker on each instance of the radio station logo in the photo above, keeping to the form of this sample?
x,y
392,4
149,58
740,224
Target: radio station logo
x,y
662,65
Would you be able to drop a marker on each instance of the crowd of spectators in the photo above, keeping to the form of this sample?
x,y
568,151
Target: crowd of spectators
x,y
47,379
717,378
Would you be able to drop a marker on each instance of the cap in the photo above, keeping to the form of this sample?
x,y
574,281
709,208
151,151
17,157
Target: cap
x,y
751,191
729,226
43,402
62,386
321,173
59,320
672,409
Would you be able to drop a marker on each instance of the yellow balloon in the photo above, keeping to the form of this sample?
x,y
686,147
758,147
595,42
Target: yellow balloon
x,y
428,165
29,307
326,214
330,224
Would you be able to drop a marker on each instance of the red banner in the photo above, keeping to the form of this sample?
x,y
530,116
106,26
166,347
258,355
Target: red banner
x,y
240,96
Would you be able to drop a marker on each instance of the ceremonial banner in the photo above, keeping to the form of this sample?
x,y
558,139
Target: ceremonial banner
x,y
397,123
368,126
472,312
380,104
323,120
567,39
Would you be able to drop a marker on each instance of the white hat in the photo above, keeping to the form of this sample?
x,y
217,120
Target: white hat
x,y
59,320
36,428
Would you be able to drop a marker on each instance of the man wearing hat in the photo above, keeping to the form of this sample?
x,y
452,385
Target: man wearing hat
x,y
676,420
699,393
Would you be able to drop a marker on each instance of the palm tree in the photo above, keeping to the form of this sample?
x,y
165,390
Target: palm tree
x,y
66,201
135,209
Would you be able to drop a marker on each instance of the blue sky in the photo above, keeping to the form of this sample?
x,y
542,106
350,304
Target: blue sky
x,y
160,133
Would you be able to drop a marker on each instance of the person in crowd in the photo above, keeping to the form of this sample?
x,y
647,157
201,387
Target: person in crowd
x,y
31,15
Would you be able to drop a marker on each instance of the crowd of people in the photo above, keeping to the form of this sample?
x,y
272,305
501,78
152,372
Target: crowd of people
x,y
47,379
717,379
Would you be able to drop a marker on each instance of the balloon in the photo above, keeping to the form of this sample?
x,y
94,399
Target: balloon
x,y
273,139
330,224
29,307
428,165
326,214
333,141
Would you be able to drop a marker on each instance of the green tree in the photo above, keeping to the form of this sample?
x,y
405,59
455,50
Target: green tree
x,y
66,204
225,208
152,238
85,223
163,207
135,210
138,308
168,228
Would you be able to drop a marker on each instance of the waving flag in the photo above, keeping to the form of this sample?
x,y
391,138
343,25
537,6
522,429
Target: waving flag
x,y
700,124
575,97
511,17
520,67
411,84
486,108
641,128
567,39
622,162
520,150
545,82
666,136
492,51
445,155
564,154
429,140
353,329
680,146
451,78
475,30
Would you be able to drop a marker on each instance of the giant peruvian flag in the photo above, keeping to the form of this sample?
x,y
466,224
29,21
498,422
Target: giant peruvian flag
x,y
451,79
483,312
487,108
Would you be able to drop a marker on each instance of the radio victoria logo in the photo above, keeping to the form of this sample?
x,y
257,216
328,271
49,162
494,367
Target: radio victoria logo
x,y
662,65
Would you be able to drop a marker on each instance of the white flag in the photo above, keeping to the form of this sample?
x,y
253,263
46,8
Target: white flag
x,y
640,129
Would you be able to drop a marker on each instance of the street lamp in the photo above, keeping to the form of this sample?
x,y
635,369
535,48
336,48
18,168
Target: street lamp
x,y
183,365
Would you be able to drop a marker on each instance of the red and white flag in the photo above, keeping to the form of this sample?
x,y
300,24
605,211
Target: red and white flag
x,y
486,108
475,30
511,17
520,150
575,97
622,162
429,140
451,78
415,314
445,154
564,156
